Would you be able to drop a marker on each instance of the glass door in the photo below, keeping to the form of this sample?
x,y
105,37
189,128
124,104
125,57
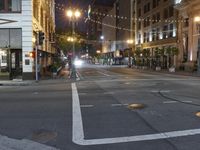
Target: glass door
x,y
16,64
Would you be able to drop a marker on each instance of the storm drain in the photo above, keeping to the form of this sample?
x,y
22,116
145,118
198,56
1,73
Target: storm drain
x,y
43,136
136,106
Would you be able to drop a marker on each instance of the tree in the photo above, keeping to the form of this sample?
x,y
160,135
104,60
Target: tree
x,y
137,54
172,51
63,43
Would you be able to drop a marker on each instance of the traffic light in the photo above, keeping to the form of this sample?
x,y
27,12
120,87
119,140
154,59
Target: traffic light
x,y
32,54
41,37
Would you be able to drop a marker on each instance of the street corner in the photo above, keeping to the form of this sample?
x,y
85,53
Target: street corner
x,y
16,83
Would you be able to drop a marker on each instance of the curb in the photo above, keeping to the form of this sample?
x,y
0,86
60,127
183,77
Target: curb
x,y
24,144
12,83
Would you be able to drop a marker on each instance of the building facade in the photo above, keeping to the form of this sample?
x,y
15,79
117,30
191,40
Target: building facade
x,y
156,32
189,33
109,33
117,29
20,21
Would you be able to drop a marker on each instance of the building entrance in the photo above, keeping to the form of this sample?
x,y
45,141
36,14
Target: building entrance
x,y
16,64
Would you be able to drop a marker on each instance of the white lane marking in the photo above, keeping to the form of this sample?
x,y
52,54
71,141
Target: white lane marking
x,y
127,83
187,101
35,93
165,91
103,73
78,132
86,106
77,127
118,105
162,91
169,102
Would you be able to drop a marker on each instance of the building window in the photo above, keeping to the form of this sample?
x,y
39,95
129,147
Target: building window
x,y
171,28
186,22
139,38
139,25
157,33
146,8
165,13
139,12
165,32
10,6
147,22
171,11
154,34
155,3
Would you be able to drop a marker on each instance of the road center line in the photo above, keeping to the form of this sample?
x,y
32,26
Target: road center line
x,y
78,132
103,73
169,102
86,106
118,105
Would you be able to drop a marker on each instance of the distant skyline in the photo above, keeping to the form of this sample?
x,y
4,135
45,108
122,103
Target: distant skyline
x,y
62,20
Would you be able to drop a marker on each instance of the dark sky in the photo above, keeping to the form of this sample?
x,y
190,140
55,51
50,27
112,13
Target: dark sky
x,y
61,19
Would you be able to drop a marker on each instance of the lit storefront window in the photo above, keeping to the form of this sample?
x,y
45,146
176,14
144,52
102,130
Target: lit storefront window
x,y
10,52
3,62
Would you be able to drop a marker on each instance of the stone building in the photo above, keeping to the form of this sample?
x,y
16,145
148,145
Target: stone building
x,y
189,33
156,28
20,21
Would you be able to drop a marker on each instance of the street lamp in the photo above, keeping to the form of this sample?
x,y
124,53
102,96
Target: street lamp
x,y
73,15
197,21
129,42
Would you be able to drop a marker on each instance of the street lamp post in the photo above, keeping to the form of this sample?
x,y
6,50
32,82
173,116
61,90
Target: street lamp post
x,y
73,16
129,42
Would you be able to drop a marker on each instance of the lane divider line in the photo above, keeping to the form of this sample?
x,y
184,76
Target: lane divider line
x,y
78,131
103,73
86,106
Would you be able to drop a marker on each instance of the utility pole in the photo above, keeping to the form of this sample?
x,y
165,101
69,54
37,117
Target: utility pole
x,y
36,58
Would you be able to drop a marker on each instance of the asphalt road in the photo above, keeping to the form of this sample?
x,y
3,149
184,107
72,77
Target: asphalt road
x,y
95,112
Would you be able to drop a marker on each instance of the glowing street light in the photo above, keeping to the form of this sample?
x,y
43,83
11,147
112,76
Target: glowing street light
x,y
197,19
69,13
73,16
102,37
77,13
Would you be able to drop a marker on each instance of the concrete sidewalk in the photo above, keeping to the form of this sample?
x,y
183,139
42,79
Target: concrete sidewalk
x,y
164,71
16,82
22,144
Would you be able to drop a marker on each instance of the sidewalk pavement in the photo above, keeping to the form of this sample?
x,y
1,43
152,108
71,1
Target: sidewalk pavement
x,y
7,143
165,71
16,82
48,78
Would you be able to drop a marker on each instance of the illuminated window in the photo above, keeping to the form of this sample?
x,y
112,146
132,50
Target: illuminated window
x,y
10,6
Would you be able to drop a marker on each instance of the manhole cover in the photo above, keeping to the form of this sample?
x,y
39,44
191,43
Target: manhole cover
x,y
198,114
136,106
43,136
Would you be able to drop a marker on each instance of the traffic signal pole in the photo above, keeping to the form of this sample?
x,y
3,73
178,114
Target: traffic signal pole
x,y
36,59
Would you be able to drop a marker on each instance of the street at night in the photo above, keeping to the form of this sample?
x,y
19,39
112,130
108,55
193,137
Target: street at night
x,y
99,74
95,112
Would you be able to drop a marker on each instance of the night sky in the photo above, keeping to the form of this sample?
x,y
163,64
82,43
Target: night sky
x,y
61,19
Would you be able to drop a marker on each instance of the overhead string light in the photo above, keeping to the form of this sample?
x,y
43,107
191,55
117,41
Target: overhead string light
x,y
62,7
